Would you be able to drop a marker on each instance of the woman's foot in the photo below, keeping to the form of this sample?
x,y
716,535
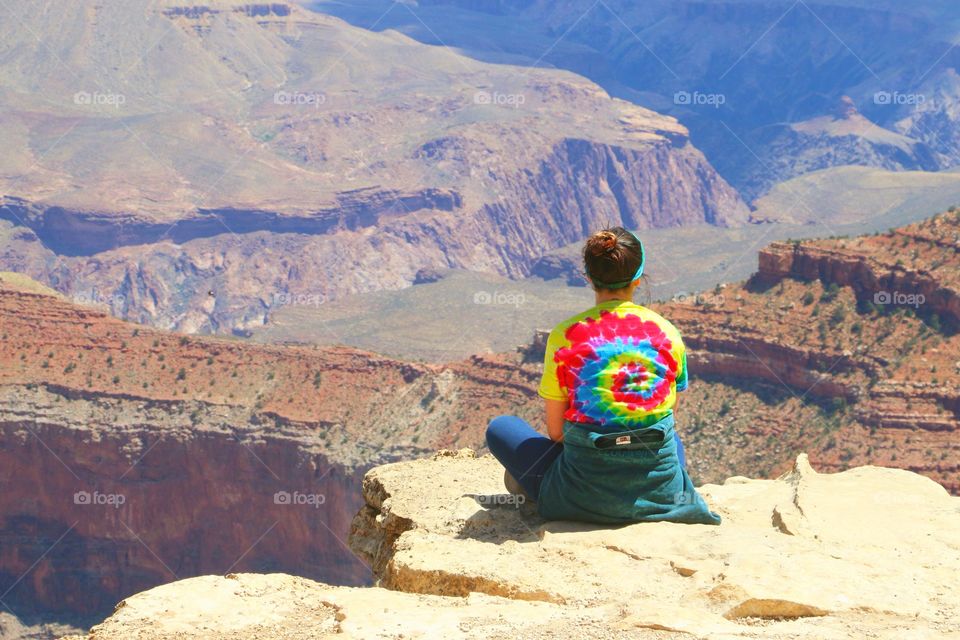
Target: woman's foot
x,y
512,485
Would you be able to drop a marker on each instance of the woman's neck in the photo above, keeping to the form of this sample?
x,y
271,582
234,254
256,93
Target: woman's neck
x,y
625,295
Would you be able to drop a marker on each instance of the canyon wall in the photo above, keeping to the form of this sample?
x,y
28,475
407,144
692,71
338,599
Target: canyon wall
x,y
165,280
864,327
303,156
762,114
874,276
69,232
131,457
110,496
198,434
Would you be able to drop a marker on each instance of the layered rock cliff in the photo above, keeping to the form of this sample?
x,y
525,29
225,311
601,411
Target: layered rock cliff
x,y
259,154
914,266
112,495
131,457
760,97
791,361
255,260
863,327
808,555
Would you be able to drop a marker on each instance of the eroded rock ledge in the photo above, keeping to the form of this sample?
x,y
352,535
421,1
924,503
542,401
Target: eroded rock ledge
x,y
868,552
804,545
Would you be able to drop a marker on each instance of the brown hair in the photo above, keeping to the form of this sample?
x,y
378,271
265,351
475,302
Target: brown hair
x,y
611,256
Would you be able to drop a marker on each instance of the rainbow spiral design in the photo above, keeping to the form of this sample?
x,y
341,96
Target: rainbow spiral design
x,y
619,369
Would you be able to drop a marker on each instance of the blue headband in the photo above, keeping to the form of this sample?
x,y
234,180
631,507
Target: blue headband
x,y
624,283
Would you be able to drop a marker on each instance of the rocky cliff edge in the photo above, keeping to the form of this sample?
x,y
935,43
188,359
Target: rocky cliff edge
x,y
869,552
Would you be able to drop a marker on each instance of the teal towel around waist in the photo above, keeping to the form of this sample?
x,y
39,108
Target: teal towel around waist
x,y
611,477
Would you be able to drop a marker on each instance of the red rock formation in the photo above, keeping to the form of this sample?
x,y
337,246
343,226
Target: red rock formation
x,y
130,457
110,496
197,434
905,262
864,326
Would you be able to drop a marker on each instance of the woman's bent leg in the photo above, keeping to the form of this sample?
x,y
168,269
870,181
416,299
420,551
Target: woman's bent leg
x,y
525,453
681,454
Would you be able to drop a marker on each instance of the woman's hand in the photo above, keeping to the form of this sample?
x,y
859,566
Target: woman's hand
x,y
555,410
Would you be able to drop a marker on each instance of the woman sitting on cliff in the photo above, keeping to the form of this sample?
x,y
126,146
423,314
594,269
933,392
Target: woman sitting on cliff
x,y
610,382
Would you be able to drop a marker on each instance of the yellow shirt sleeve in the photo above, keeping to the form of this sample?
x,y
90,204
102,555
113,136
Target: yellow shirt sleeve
x,y
550,388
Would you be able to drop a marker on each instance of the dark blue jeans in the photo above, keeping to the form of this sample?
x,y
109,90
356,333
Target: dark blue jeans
x,y
527,454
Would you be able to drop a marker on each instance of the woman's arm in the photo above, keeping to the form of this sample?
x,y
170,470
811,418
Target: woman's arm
x,y
555,410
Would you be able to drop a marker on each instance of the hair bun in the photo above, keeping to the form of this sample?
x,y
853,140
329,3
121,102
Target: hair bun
x,y
601,243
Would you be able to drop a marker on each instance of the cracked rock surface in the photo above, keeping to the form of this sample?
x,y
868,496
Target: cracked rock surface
x,y
869,552
808,554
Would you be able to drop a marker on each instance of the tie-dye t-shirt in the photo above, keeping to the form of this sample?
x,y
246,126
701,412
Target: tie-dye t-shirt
x,y
617,363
